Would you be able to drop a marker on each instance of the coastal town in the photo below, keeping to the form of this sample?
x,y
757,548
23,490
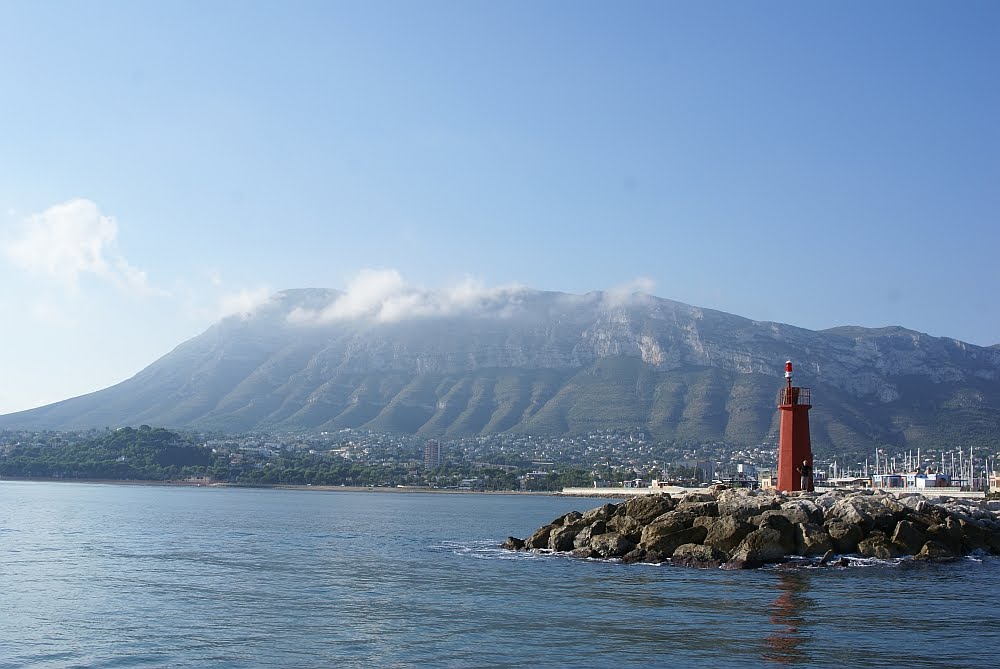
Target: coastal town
x,y
631,460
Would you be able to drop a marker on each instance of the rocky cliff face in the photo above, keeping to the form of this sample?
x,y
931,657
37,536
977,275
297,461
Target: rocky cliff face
x,y
548,362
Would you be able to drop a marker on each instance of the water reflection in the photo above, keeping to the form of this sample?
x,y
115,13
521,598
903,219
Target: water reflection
x,y
786,643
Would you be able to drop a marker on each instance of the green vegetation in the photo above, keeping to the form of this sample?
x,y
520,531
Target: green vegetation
x,y
157,454
146,453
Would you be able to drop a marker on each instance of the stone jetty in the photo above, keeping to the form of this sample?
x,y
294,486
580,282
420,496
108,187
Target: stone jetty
x,y
737,528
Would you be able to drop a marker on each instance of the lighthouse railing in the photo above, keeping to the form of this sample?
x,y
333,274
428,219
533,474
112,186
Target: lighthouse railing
x,y
794,395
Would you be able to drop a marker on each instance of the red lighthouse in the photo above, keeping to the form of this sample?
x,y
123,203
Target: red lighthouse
x,y
794,449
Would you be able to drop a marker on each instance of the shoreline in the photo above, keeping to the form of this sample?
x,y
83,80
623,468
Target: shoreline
x,y
277,486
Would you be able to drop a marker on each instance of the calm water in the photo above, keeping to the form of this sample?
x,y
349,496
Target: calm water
x,y
117,576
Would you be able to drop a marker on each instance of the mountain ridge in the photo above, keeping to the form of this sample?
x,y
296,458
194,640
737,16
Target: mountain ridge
x,y
530,361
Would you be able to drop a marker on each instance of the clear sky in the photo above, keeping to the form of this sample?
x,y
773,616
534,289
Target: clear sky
x,y
162,163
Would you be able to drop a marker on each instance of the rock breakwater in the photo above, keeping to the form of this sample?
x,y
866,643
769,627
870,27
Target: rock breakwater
x,y
736,528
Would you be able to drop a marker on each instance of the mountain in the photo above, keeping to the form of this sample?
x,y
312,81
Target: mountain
x,y
547,363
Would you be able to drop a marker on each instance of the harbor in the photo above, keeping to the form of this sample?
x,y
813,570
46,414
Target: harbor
x,y
954,474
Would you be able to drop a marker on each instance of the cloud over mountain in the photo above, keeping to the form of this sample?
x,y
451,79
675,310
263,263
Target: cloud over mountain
x,y
560,364
243,302
383,296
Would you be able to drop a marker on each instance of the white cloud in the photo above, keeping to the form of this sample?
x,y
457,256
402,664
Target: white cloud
x,y
629,292
243,303
384,296
366,294
133,278
73,239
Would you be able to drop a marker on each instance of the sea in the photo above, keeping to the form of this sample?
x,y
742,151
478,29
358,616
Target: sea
x,y
117,576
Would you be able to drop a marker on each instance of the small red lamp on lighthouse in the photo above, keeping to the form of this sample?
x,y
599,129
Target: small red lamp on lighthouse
x,y
794,448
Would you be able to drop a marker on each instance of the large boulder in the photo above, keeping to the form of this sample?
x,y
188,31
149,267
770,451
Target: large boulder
x,y
573,518
895,507
666,544
661,528
995,539
685,518
611,545
935,550
915,502
513,544
760,547
561,538
745,503
634,555
695,496
812,539
644,508
877,545
975,536
868,511
774,520
925,518
853,512
908,537
604,513
654,557
845,536
626,526
948,533
802,511
696,555
966,510
584,536
540,539
725,533
700,509
827,500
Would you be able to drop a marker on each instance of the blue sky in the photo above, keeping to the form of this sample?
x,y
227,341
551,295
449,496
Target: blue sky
x,y
161,164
